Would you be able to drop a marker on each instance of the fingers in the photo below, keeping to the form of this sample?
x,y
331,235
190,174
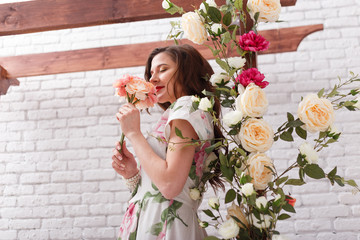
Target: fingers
x,y
117,165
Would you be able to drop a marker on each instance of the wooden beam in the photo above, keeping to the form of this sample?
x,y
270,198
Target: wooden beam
x,y
281,40
5,83
46,15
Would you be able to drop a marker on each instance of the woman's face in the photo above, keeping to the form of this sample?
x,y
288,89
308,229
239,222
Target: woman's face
x,y
163,70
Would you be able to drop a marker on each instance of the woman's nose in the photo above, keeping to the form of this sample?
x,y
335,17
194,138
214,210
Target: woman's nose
x,y
154,78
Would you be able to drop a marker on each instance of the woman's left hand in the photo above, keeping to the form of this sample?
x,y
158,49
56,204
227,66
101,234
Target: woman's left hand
x,y
129,118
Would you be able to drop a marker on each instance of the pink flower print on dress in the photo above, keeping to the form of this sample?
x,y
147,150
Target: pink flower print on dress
x,y
199,158
160,127
202,115
162,234
129,222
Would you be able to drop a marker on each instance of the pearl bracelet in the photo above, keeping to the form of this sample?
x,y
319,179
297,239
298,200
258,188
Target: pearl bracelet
x,y
133,181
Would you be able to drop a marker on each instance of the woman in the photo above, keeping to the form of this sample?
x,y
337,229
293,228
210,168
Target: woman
x,y
161,206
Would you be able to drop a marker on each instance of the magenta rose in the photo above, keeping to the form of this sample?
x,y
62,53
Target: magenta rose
x,y
252,75
253,42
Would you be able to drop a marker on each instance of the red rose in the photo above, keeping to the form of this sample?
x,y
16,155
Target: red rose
x,y
290,200
252,75
253,42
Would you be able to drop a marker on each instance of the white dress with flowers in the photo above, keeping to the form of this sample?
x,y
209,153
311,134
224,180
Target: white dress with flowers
x,y
150,215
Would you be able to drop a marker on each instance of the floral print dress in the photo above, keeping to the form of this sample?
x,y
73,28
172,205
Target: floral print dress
x,y
150,215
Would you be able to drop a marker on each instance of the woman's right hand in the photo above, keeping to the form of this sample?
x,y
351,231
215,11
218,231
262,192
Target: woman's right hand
x,y
124,163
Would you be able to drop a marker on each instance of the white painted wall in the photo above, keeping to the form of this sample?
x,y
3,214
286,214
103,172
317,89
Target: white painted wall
x,y
57,132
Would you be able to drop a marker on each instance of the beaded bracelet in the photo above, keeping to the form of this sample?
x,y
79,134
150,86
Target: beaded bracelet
x,y
133,181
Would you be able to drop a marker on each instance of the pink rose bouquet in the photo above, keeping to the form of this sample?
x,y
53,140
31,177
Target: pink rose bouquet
x,y
136,91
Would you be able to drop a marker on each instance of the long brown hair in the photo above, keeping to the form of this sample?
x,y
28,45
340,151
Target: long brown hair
x,y
192,77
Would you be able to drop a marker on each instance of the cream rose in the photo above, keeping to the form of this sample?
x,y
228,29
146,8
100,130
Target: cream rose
x,y
317,113
165,4
311,155
265,221
229,229
214,202
256,135
232,118
236,62
193,27
269,9
236,211
205,104
253,101
258,169
247,189
261,202
195,194
218,77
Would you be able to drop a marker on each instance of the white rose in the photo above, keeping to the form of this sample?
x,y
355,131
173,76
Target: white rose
x,y
311,155
218,77
265,221
247,189
194,98
212,156
194,194
261,202
165,5
279,237
269,9
193,27
205,104
236,62
214,202
253,101
229,229
203,224
258,169
216,28
256,135
357,104
232,118
317,113
211,3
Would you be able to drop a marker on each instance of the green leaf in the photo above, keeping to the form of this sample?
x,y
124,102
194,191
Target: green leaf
x,y
227,19
287,207
339,180
209,213
286,136
214,14
314,171
296,123
228,172
301,132
222,64
290,117
156,229
223,159
178,133
225,38
351,183
212,147
284,216
238,4
230,196
321,93
281,180
296,182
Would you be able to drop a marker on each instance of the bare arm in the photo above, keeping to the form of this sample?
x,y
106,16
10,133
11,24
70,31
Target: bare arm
x,y
169,174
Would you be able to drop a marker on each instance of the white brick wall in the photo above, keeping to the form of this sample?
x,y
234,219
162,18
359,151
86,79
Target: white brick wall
x,y
57,132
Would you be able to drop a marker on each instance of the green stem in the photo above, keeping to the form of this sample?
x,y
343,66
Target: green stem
x,y
121,142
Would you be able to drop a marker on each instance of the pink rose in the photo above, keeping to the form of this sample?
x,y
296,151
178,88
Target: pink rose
x,y
253,42
129,222
252,75
199,159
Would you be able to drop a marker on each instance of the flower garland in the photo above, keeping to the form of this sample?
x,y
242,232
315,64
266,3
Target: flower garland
x,y
255,190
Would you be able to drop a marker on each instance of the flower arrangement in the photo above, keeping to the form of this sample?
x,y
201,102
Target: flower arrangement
x,y
137,91
255,199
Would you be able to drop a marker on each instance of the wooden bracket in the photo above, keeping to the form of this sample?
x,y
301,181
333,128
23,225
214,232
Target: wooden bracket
x,y
5,82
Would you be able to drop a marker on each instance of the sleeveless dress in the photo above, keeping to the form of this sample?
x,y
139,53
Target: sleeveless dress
x,y
150,215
